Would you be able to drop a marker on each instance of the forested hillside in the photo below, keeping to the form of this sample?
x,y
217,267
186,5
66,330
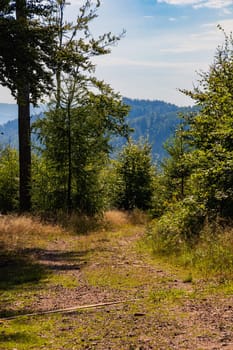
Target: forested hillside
x,y
8,111
154,120
9,130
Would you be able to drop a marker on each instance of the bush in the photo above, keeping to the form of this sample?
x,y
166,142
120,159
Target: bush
x,y
201,247
134,177
179,225
9,180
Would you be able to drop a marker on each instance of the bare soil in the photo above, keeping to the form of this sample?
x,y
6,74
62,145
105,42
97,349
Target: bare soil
x,y
159,309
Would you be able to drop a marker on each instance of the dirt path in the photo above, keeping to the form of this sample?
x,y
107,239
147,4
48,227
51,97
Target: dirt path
x,y
159,309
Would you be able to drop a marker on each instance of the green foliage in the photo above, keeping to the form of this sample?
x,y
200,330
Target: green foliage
x,y
84,114
156,120
178,226
213,255
76,46
27,43
76,150
176,169
27,46
9,178
134,176
211,134
46,193
209,256
197,178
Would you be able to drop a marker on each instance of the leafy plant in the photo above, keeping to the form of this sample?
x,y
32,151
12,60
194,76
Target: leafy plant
x,y
9,180
134,177
210,134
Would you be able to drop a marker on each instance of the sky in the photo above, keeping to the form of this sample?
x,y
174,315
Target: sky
x,y
167,42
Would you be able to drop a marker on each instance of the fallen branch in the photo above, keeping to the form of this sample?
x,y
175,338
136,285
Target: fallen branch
x,y
67,310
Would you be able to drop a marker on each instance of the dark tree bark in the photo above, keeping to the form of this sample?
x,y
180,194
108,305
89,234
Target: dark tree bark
x,y
24,150
23,101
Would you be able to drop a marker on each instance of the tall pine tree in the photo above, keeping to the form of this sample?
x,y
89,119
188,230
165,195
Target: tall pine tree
x,y
26,50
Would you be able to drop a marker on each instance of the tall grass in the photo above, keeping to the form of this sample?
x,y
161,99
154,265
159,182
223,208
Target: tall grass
x,y
18,232
209,255
22,231
83,224
117,218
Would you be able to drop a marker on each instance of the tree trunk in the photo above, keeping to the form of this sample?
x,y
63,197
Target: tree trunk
x,y
69,200
23,102
24,151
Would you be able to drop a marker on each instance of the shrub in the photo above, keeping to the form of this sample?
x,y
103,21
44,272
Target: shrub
x,y
134,177
179,225
9,174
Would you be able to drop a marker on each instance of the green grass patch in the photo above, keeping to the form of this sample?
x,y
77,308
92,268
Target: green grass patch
x,y
24,333
63,280
116,278
167,295
209,256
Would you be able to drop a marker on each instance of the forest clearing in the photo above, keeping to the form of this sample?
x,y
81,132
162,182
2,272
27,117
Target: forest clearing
x,y
131,298
105,242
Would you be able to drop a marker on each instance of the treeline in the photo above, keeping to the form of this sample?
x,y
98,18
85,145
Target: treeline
x,y
71,169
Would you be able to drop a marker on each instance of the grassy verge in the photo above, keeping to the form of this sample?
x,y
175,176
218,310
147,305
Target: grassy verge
x,y
208,256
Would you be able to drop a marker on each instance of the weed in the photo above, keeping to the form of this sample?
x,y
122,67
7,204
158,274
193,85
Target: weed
x,y
80,223
188,278
138,217
66,281
170,295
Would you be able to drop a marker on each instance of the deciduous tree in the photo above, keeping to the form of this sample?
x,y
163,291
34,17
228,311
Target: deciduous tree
x,y
84,113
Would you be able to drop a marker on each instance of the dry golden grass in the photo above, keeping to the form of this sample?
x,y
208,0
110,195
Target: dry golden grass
x,y
116,218
138,217
18,232
79,223
21,231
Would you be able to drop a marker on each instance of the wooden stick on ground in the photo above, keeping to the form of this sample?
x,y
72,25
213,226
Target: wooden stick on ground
x,y
66,310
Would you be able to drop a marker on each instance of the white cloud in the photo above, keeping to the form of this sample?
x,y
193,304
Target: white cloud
x,y
226,11
172,19
193,43
129,63
218,4
226,24
200,3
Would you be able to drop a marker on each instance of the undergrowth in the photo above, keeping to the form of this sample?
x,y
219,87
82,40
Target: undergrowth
x,y
208,255
18,232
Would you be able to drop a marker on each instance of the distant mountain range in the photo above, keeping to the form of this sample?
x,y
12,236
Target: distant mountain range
x,y
153,120
9,111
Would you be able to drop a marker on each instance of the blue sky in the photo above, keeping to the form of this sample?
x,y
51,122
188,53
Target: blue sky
x,y
166,43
